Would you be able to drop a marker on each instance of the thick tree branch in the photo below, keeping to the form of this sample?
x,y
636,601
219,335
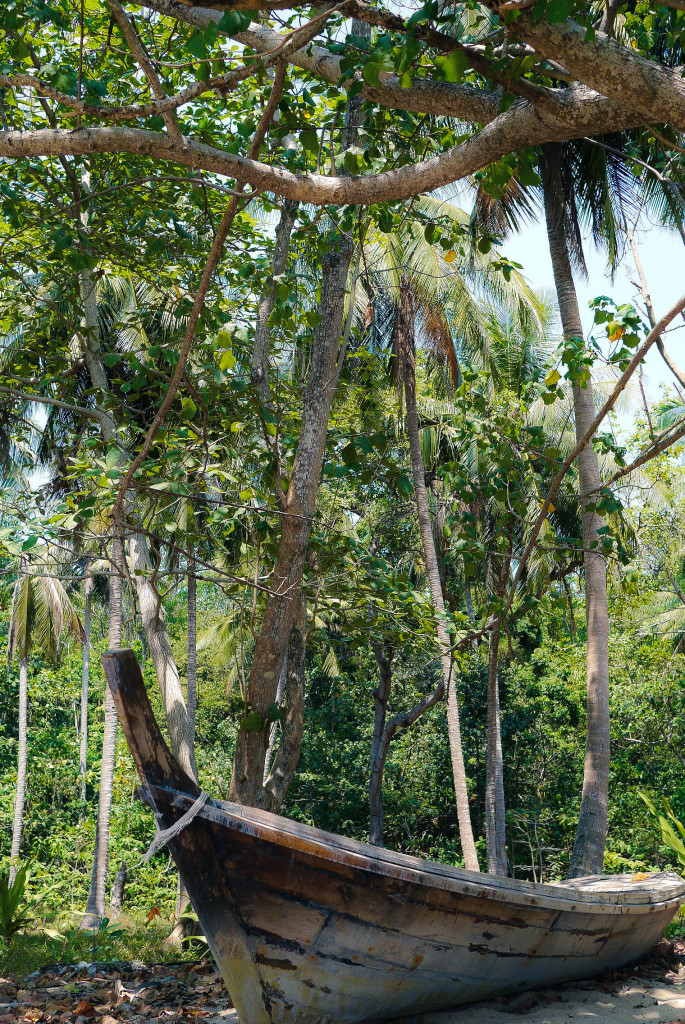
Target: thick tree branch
x,y
655,92
519,127
466,102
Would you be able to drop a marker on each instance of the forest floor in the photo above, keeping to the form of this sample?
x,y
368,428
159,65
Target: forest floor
x,y
193,993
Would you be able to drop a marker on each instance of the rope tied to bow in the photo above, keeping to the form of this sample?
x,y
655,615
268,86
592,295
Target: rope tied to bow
x,y
163,836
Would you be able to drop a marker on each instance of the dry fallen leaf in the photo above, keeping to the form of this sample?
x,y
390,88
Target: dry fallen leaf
x,y
84,1009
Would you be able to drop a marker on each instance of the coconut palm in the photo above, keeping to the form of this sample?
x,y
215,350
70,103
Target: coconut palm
x,y
41,614
439,290
586,185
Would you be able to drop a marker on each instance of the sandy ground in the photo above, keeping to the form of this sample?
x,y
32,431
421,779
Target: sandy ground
x,y
653,991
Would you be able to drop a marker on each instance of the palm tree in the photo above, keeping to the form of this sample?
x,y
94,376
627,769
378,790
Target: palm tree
x,y
427,284
95,905
407,364
88,584
41,613
586,184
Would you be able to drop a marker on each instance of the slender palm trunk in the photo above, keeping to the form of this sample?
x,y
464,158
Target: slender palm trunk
x,y
384,656
18,818
407,363
191,710
83,752
95,906
495,822
588,852
192,646
495,832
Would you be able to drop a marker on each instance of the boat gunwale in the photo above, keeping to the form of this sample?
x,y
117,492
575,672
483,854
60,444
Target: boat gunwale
x,y
309,840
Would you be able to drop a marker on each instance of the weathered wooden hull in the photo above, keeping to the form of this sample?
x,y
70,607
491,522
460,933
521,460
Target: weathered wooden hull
x,y
309,927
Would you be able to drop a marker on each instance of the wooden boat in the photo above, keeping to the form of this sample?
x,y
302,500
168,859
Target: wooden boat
x,y
310,927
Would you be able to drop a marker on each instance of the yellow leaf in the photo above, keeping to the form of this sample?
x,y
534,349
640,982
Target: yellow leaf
x,y
615,331
639,877
552,377
450,256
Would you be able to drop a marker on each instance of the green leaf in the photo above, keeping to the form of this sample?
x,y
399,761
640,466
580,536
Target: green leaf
x,y
188,408
252,722
559,11
371,74
453,66
234,21
227,360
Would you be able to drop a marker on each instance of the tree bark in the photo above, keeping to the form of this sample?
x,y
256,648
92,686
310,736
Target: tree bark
x,y
85,674
95,906
588,852
191,687
248,767
18,817
379,750
407,366
495,832
152,619
287,756
273,734
116,901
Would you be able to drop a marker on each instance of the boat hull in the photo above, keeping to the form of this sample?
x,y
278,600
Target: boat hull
x,y
331,942
311,927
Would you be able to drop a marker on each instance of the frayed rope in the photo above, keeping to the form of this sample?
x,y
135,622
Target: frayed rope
x,y
163,836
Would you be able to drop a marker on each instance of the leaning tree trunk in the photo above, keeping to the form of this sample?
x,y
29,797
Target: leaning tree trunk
x,y
95,906
248,767
407,364
588,852
85,674
159,645
18,818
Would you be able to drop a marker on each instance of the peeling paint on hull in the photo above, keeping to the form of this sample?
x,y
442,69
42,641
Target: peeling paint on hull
x,y
312,928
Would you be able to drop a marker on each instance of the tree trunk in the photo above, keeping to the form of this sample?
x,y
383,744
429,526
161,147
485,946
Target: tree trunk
x,y
83,752
381,696
407,365
152,619
116,901
192,647
95,906
280,692
248,767
588,852
288,754
495,832
18,818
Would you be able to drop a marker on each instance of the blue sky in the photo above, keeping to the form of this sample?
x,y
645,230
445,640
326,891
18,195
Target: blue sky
x,y
663,259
